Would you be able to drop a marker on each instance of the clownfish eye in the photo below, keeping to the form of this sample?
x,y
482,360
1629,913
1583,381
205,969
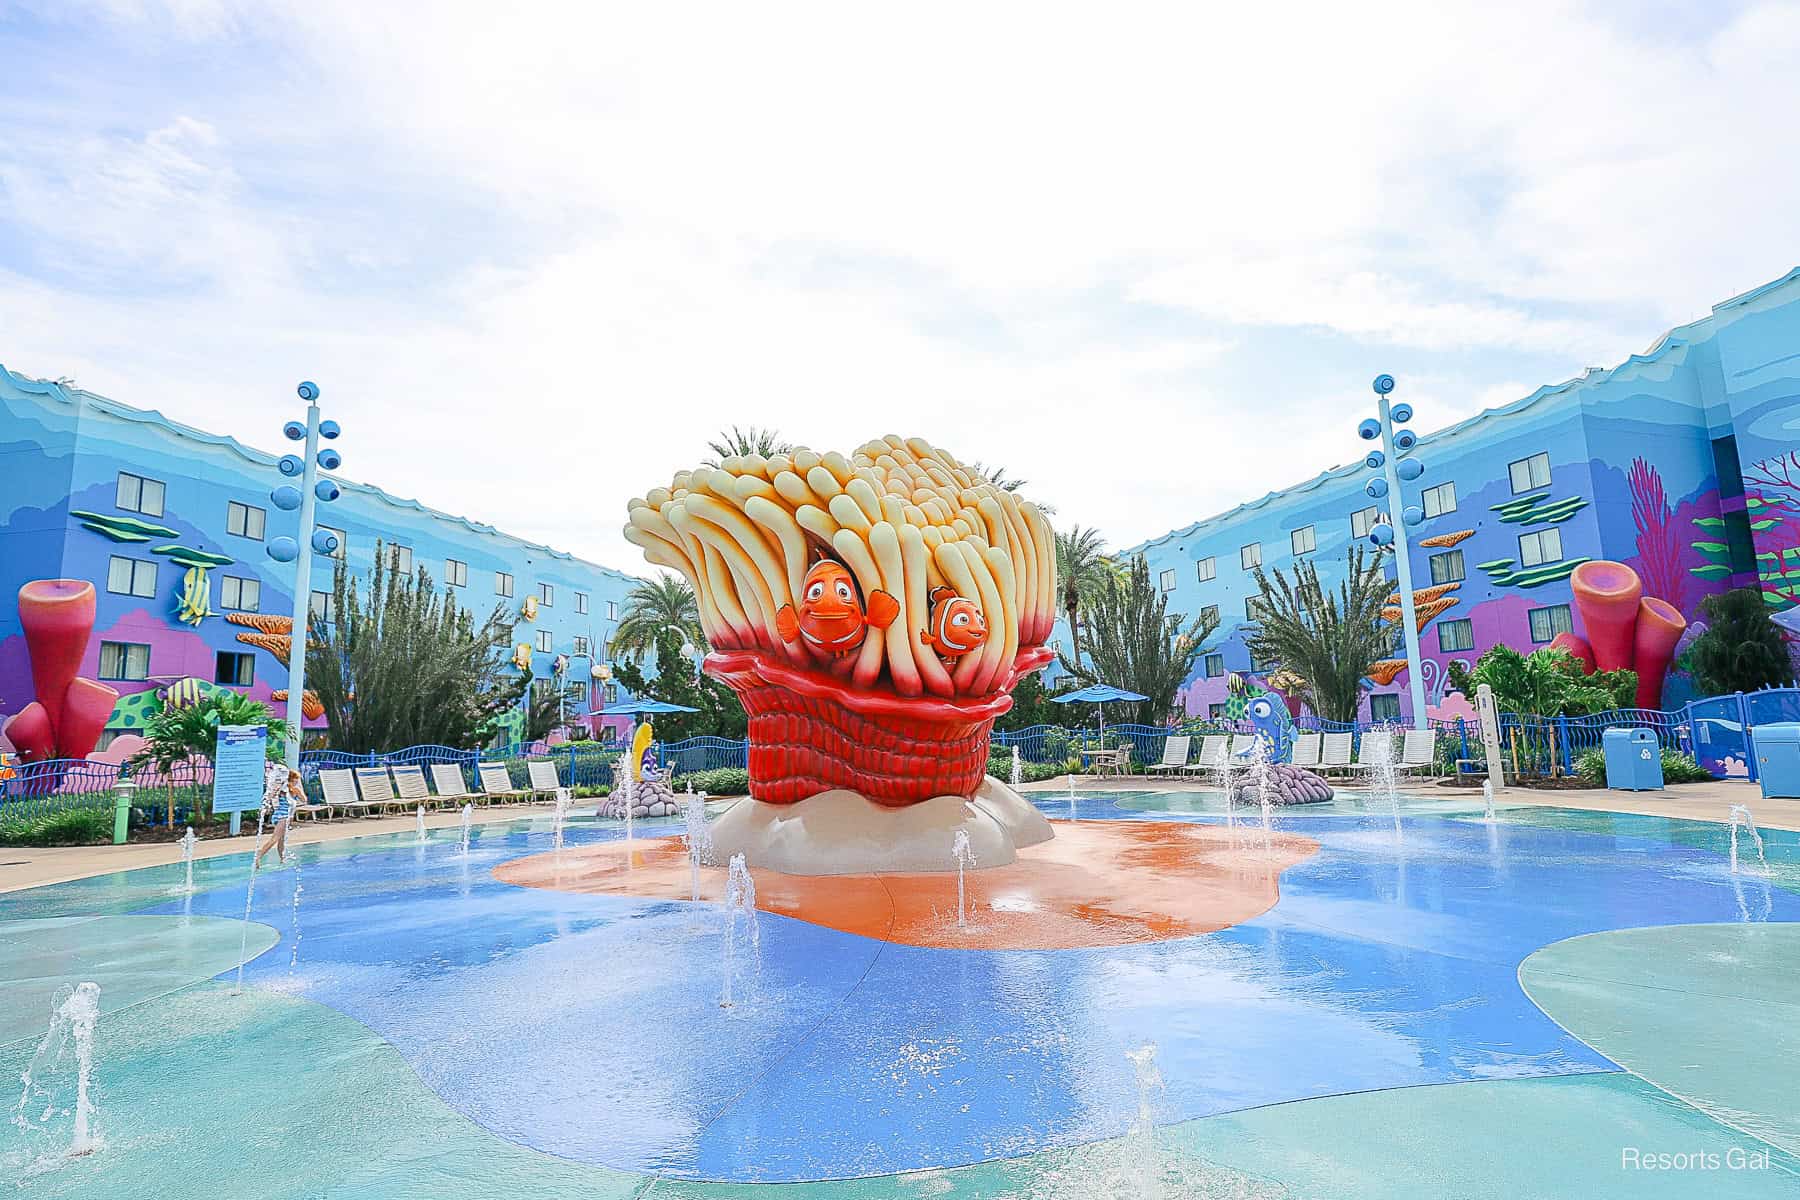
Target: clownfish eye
x,y
815,591
844,593
960,619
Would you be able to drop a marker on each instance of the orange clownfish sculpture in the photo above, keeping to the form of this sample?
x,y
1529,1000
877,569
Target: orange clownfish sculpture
x,y
831,617
956,625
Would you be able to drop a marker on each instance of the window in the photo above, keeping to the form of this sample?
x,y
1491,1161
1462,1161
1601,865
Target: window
x,y
243,520
1168,581
1439,500
1262,666
131,577
1305,540
1215,665
400,560
542,689
1384,707
1250,556
503,584
1215,712
581,646
234,670
1546,623
1529,474
1447,567
240,595
124,660
612,610
140,495
323,607
543,640
1456,635
1544,546
1207,568
1254,608
1209,615
578,692
612,693
547,595
343,539
581,603
1363,520
456,573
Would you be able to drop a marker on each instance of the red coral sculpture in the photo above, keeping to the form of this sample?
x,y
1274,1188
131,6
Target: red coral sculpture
x,y
66,719
1625,628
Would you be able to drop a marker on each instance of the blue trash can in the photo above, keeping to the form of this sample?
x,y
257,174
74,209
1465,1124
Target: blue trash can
x,y
1633,760
1777,750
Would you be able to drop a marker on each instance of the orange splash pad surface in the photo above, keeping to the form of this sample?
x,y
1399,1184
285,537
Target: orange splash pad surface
x,y
1097,883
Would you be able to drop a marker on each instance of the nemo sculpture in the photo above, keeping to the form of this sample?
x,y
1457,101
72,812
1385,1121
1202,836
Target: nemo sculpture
x,y
873,613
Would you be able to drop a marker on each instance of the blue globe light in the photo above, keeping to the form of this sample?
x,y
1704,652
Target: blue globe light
x,y
1369,430
324,541
328,429
1412,514
284,549
295,431
1405,440
326,490
1402,412
1375,459
1382,535
309,391
290,464
1410,468
1376,488
1383,384
330,459
286,497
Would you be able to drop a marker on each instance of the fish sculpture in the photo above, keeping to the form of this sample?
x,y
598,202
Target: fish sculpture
x,y
831,617
955,626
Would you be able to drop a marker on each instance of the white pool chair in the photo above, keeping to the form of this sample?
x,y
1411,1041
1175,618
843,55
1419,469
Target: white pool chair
x,y
1306,750
452,787
1418,750
542,774
377,788
1212,752
410,787
1174,756
497,785
1334,752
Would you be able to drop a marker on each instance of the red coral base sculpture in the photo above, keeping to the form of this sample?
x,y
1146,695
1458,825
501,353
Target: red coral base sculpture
x,y
66,719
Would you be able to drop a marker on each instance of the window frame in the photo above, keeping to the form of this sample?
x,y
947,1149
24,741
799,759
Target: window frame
x,y
245,662
612,610
1373,515
1536,539
1166,580
138,567
456,573
546,642
546,594
1385,699
1312,540
1463,625
137,505
1447,557
581,604
582,649
1211,661
394,551
504,584
322,606
238,605
245,516
1529,462
1426,497
123,669
1567,624
1206,569
1250,556
343,540
1218,618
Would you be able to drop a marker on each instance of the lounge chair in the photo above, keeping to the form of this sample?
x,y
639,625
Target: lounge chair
x,y
324,810
1174,756
1377,750
452,787
1306,750
1334,752
377,788
1418,751
409,785
1242,745
339,785
497,785
542,773
1212,752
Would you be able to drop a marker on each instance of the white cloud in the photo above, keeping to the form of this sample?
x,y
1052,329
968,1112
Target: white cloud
x,y
541,254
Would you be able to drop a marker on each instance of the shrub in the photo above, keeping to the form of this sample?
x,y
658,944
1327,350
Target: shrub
x,y
1677,767
999,765
720,781
69,827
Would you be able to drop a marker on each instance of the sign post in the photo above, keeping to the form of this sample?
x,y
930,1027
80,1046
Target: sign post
x,y
238,760
1490,734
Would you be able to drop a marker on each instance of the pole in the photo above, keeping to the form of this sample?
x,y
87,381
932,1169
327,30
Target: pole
x,y
303,576
1403,565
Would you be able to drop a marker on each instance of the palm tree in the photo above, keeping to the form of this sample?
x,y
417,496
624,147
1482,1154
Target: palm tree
x,y
1325,642
738,442
655,605
1000,479
1134,642
1084,568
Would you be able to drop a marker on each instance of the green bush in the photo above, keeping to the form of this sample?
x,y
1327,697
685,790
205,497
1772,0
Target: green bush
x,y
720,781
587,792
69,827
999,765
1677,767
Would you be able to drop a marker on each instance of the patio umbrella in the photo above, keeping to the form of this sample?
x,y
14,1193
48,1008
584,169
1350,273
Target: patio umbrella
x,y
1098,694
639,707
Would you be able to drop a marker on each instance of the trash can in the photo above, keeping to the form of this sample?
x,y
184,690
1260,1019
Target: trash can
x,y
1633,760
1777,750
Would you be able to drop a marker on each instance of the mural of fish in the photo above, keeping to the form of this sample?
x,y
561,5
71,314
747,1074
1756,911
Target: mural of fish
x,y
956,625
831,616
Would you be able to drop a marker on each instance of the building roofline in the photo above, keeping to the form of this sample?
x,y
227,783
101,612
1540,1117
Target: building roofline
x,y
75,397
1674,339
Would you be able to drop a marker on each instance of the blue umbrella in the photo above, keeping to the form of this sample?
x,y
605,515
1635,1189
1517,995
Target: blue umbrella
x,y
630,707
1098,693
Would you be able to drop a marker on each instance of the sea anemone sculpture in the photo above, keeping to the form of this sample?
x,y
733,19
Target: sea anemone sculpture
x,y
873,612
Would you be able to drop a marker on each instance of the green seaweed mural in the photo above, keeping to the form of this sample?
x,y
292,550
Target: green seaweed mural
x,y
120,529
1534,510
1778,572
1500,572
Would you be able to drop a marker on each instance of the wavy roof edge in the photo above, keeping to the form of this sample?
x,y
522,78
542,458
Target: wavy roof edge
x,y
75,396
1671,340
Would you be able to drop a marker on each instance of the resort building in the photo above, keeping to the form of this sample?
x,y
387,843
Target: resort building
x,y
171,525
1682,462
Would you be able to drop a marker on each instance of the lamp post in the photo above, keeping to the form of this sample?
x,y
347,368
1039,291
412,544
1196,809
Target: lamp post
x,y
299,550
1394,462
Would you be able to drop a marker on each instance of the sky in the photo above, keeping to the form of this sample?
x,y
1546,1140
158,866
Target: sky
x,y
1146,257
